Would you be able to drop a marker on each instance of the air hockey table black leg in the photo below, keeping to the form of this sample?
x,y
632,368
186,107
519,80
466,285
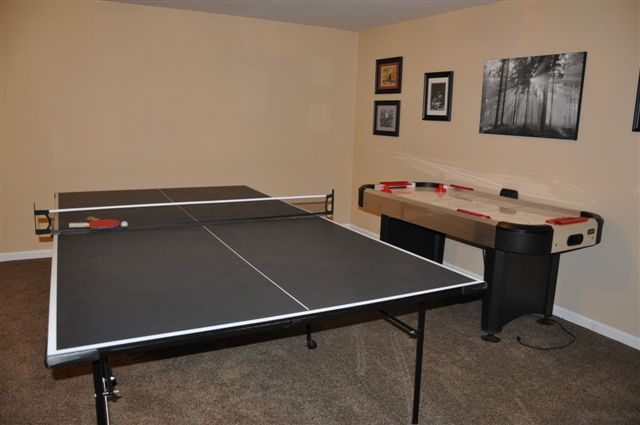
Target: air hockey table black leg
x,y
489,337
418,372
554,263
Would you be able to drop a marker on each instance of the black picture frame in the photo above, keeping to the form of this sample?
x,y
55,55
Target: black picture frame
x,y
636,114
389,75
438,92
386,118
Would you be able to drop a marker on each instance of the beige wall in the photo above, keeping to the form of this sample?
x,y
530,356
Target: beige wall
x,y
101,95
598,173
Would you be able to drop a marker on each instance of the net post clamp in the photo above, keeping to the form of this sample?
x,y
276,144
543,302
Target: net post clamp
x,y
329,201
37,214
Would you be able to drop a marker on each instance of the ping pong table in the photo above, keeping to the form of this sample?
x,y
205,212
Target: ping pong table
x,y
185,271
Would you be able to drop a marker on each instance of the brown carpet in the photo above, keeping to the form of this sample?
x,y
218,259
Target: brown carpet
x,y
359,374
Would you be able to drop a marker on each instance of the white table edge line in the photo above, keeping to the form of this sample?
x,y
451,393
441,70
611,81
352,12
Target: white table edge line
x,y
256,321
52,332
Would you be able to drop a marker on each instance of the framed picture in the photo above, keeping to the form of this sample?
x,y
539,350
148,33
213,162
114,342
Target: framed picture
x,y
636,114
389,75
438,88
534,96
386,117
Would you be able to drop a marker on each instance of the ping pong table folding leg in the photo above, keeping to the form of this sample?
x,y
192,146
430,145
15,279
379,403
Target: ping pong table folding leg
x,y
418,372
311,343
103,383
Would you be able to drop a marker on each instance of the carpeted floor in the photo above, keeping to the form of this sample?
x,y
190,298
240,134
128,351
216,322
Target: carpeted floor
x,y
359,374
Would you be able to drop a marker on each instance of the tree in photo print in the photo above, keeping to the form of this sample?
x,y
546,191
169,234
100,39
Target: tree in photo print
x,y
536,96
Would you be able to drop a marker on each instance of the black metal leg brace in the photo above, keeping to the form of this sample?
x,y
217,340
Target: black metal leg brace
x,y
100,376
418,373
404,327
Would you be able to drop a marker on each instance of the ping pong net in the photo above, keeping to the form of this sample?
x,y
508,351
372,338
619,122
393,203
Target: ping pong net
x,y
81,212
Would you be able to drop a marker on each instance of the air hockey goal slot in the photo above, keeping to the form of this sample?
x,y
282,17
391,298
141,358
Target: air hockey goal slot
x,y
574,240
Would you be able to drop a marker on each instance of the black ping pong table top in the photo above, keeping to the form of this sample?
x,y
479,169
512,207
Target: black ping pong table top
x,y
185,273
111,290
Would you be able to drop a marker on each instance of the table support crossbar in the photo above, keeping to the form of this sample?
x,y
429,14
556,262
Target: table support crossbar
x,y
403,326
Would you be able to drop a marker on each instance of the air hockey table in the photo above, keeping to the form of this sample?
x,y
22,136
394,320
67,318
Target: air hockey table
x,y
522,241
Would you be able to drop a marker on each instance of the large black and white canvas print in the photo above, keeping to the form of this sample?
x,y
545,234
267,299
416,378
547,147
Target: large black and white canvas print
x,y
535,96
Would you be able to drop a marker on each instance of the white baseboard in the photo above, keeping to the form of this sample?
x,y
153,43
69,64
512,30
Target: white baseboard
x,y
578,319
362,230
25,255
597,327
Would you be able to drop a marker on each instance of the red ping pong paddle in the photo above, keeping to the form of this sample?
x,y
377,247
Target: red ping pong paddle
x,y
104,224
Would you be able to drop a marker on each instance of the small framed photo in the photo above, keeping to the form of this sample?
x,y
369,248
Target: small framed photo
x,y
389,75
438,88
386,117
636,114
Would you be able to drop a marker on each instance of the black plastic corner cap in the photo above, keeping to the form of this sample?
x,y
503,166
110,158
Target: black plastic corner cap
x,y
58,360
361,193
597,218
523,238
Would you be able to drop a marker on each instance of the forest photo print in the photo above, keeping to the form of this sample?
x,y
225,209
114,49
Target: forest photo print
x,y
536,96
